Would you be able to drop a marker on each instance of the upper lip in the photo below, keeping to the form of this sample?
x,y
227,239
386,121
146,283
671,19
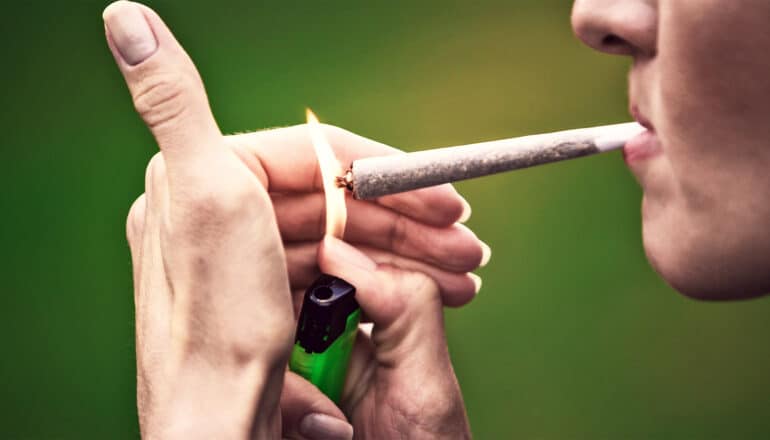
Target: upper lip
x,y
640,118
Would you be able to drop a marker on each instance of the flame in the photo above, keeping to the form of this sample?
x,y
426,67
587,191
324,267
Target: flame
x,y
336,212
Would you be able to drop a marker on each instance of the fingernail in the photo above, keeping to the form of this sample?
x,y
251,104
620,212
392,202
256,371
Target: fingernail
x,y
486,254
476,281
466,211
367,328
321,426
129,31
340,251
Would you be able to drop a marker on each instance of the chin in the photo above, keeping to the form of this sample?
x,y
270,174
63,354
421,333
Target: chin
x,y
703,269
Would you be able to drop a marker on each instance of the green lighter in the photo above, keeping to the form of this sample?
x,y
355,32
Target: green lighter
x,y
326,331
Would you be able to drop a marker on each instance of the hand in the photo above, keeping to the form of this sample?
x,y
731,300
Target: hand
x,y
400,382
214,322
414,230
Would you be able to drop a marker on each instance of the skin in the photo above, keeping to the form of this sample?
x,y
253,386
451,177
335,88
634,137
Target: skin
x,y
699,80
230,227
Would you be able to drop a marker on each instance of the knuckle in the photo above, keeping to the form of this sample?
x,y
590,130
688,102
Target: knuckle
x,y
426,286
155,179
420,283
163,98
336,135
135,220
248,347
229,203
332,130
397,233
217,208
424,292
321,213
155,172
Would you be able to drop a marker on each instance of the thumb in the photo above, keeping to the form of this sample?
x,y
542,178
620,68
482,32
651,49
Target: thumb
x,y
164,83
405,306
308,414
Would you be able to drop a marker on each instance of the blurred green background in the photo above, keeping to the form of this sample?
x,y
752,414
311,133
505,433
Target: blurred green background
x,y
572,336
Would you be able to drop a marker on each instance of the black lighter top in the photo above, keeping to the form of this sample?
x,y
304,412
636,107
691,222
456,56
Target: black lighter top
x,y
328,303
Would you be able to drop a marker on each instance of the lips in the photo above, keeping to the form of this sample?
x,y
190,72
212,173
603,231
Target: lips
x,y
643,146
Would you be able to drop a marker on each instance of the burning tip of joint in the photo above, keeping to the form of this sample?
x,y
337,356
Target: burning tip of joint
x,y
345,181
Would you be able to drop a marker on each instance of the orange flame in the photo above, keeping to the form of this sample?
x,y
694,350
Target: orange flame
x,y
336,212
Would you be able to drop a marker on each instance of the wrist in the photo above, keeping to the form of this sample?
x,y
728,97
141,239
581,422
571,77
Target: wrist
x,y
213,403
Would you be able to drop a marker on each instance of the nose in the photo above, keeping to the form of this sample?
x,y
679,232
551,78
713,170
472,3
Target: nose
x,y
621,27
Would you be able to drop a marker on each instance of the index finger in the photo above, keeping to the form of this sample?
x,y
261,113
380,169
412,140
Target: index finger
x,y
288,159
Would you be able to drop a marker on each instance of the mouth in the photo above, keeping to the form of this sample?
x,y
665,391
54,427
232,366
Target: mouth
x,y
643,146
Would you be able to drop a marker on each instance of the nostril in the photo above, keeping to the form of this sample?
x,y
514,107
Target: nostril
x,y
612,40
617,27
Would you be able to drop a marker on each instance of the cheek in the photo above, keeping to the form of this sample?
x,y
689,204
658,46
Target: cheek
x,y
704,213
717,50
713,76
712,95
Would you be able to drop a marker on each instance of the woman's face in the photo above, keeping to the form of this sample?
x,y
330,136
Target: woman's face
x,y
700,82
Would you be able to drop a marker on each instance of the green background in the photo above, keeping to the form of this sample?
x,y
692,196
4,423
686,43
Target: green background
x,y
572,336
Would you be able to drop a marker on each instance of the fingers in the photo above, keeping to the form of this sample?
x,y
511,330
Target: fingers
x,y
453,248
164,84
289,162
307,413
457,289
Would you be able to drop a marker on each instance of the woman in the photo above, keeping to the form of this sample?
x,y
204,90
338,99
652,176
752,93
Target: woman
x,y
229,224
699,83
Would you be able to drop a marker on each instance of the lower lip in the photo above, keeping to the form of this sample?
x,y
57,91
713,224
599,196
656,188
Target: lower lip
x,y
642,147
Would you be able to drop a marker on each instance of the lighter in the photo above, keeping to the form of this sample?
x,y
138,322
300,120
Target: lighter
x,y
326,331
